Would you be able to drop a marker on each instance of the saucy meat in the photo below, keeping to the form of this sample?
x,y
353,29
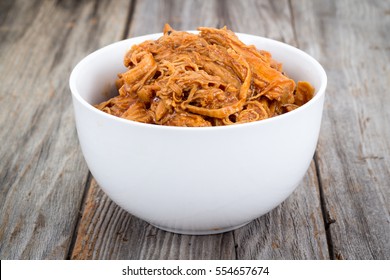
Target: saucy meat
x,y
205,79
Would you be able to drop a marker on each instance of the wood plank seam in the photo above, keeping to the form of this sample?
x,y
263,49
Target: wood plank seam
x,y
223,15
235,245
325,212
290,6
129,19
81,211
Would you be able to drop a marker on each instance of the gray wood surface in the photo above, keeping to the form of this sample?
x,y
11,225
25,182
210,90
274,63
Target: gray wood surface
x,y
43,173
354,146
51,208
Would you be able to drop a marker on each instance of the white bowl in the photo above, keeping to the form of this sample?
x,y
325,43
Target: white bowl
x,y
198,180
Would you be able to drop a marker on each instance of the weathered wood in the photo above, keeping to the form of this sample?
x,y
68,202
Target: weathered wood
x,y
108,232
105,230
96,237
292,231
181,15
295,229
43,174
351,39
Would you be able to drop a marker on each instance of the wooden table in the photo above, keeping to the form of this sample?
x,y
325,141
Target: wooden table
x,y
52,208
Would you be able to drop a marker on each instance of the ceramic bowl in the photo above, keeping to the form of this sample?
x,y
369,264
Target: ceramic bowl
x,y
200,180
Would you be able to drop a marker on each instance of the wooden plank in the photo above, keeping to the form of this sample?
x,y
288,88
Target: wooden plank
x,y
43,174
351,40
105,230
181,15
97,237
108,232
293,230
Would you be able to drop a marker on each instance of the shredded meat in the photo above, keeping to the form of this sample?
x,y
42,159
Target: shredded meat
x,y
205,79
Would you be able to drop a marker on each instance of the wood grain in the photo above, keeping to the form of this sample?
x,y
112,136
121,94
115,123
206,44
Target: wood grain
x,y
43,174
108,232
181,15
351,40
282,234
51,208
293,230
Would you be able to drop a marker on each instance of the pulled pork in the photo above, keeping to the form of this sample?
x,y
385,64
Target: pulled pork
x,y
205,79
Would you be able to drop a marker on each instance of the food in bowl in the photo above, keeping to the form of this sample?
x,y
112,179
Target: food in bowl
x,y
196,180
205,79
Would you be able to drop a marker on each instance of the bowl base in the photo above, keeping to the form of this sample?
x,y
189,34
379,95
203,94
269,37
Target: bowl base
x,y
200,232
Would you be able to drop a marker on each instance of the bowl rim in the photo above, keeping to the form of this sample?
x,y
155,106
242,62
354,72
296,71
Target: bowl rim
x,y
319,93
